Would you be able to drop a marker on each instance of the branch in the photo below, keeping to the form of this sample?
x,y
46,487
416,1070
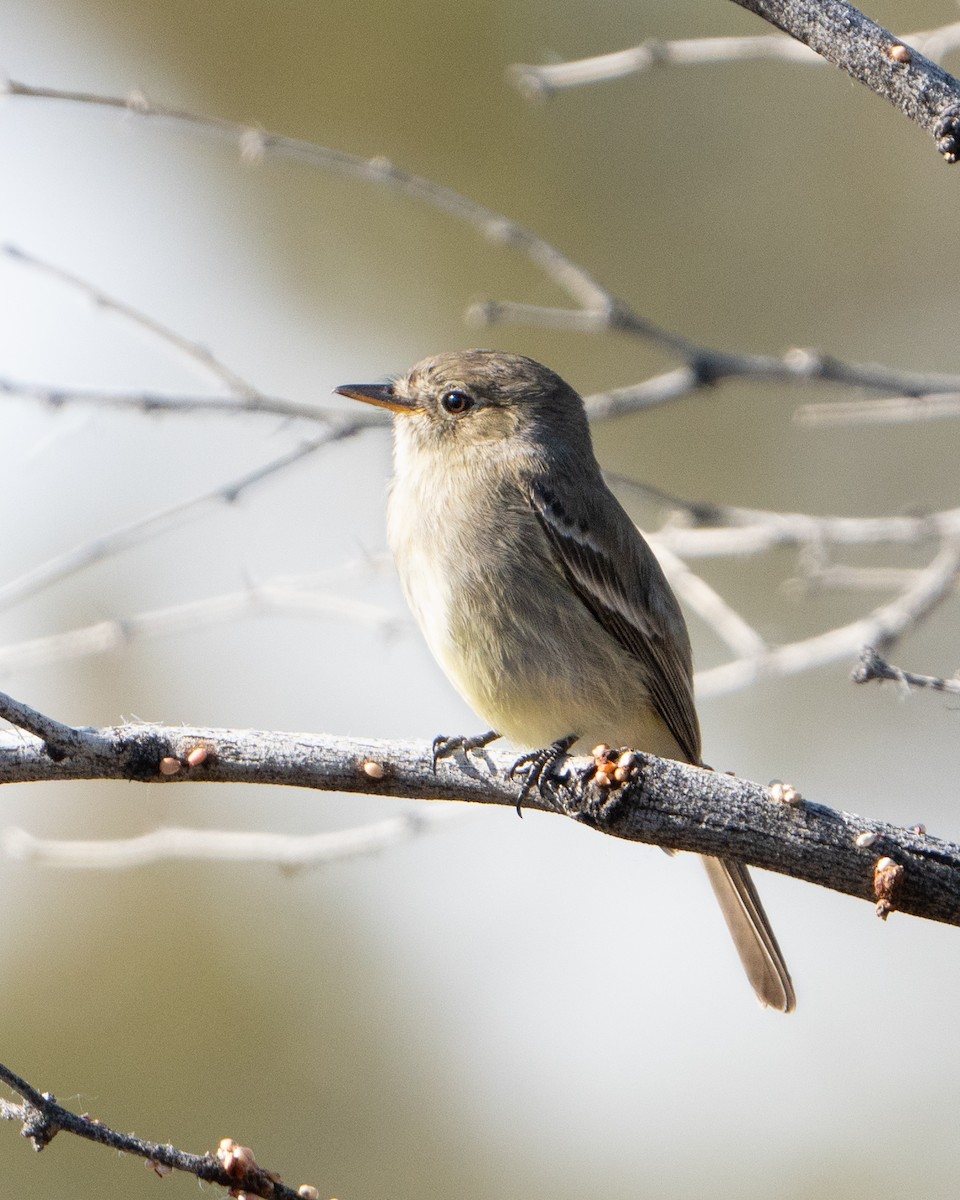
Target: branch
x,y
891,66
148,402
596,309
166,519
894,410
233,1166
243,395
872,667
883,626
724,531
291,852
258,144
662,803
197,353
541,81
298,594
842,35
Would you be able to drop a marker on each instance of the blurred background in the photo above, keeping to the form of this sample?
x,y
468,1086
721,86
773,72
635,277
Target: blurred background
x,y
500,1008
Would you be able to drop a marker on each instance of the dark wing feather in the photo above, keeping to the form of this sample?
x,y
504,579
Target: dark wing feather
x,y
617,577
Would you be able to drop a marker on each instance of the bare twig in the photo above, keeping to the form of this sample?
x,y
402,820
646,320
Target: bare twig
x,y
596,308
881,627
289,595
159,402
666,803
709,367
541,81
734,531
537,82
873,667
710,606
861,579
257,144
137,532
289,851
194,351
895,410
43,1118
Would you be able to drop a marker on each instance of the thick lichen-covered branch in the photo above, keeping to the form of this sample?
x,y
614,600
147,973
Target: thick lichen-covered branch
x,y
663,803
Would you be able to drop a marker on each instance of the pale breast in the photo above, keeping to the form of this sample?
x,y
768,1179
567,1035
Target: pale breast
x,y
505,625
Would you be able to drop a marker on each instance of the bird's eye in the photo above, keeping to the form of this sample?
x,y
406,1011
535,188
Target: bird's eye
x,y
456,402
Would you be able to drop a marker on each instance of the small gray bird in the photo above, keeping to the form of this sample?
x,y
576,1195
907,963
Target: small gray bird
x,y
535,591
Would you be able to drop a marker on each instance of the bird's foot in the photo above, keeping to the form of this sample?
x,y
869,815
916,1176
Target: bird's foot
x,y
444,746
537,766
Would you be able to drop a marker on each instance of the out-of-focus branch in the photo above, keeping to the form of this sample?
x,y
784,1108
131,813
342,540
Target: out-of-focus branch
x,y
198,354
242,395
894,410
299,595
663,803
596,308
710,606
257,144
706,367
541,81
158,402
728,531
290,851
872,667
233,1166
154,524
880,627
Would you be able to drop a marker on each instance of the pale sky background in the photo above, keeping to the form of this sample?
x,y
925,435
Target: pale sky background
x,y
501,1010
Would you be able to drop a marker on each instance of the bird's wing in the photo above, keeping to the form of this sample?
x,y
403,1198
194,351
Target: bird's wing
x,y
617,577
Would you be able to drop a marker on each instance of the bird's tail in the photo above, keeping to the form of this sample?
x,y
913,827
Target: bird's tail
x,y
752,933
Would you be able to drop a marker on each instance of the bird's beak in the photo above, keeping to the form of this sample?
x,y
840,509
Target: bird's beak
x,y
381,394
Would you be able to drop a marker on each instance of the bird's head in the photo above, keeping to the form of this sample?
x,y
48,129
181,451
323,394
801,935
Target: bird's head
x,y
479,398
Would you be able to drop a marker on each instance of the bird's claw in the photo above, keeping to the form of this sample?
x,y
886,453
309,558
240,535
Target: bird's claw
x,y
537,765
444,746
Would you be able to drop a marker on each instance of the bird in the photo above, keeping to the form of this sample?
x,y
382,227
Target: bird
x,y
537,594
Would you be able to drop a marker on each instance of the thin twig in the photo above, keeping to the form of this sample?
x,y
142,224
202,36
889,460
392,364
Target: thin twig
x,y
597,309
741,532
256,144
196,352
289,851
873,667
541,81
881,627
895,410
43,1118
160,402
842,576
284,594
710,606
711,367
174,516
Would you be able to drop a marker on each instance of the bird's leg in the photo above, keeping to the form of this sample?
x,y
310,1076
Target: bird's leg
x,y
537,765
444,746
